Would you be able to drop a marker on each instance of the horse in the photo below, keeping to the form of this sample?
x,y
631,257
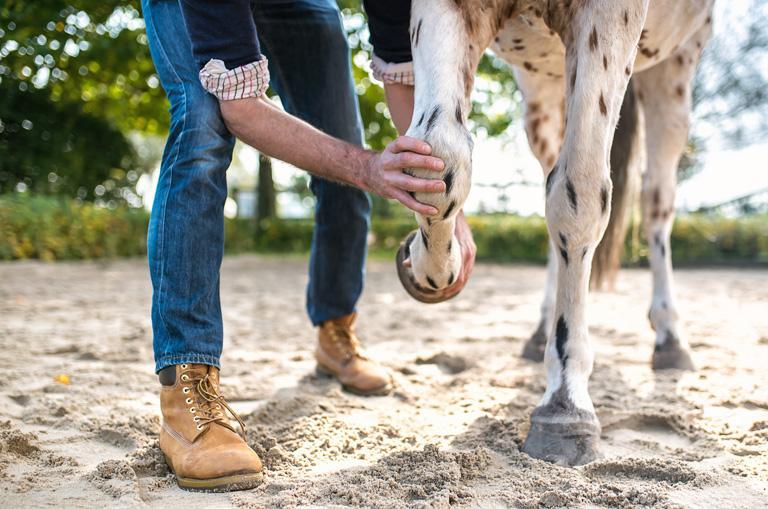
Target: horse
x,y
607,87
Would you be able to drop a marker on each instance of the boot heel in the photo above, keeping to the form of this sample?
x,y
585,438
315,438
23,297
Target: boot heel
x,y
323,372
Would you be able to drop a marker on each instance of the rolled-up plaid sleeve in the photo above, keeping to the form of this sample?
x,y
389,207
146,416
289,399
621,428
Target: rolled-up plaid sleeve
x,y
388,22
226,47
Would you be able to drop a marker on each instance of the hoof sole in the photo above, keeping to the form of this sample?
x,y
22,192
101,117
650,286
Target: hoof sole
x,y
673,358
421,294
563,443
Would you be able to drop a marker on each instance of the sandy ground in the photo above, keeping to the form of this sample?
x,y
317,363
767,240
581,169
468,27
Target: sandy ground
x,y
451,433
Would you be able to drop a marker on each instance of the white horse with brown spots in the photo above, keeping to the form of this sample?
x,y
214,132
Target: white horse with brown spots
x,y
573,60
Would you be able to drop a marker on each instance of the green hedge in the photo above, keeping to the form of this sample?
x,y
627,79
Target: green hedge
x,y
51,229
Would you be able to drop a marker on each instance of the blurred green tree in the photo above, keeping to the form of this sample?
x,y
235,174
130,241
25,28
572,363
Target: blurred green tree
x,y
76,79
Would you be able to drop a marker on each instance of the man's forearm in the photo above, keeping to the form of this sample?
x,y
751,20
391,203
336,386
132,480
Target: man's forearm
x,y
261,124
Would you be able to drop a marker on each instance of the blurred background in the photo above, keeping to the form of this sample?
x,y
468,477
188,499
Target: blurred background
x,y
83,121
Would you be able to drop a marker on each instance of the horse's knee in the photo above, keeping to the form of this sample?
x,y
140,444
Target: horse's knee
x,y
450,141
577,210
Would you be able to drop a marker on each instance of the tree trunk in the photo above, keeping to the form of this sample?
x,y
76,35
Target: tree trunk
x,y
266,204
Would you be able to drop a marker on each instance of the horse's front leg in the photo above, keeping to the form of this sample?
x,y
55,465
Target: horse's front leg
x,y
601,41
445,55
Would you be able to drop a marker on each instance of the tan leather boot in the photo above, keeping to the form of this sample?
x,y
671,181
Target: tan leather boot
x,y
200,445
338,354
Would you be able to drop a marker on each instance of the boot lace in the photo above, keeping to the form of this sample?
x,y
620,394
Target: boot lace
x,y
346,341
211,405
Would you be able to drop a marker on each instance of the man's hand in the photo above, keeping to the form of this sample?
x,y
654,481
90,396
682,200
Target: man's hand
x,y
384,173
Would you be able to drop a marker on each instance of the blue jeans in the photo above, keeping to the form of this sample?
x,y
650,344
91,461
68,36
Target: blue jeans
x,y
310,67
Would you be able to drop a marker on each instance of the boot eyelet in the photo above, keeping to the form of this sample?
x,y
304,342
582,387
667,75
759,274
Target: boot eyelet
x,y
192,410
189,401
183,366
199,427
185,390
196,418
184,377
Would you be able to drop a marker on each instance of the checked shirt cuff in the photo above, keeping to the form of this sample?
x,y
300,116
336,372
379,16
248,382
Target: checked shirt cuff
x,y
392,73
249,80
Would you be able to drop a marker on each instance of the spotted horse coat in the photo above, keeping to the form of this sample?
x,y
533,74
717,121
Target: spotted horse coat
x,y
573,60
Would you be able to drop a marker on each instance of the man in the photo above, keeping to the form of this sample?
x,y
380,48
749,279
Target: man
x,y
209,60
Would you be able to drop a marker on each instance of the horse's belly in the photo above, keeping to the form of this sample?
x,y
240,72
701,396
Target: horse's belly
x,y
525,41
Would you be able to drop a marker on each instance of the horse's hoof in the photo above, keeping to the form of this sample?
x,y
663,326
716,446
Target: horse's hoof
x,y
534,347
418,292
670,355
567,440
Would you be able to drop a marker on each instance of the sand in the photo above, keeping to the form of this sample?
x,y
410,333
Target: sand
x,y
450,434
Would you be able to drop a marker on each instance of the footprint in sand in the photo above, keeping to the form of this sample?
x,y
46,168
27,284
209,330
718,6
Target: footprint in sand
x,y
643,436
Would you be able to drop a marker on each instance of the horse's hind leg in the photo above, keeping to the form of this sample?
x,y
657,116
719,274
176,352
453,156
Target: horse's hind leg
x,y
601,42
544,126
665,94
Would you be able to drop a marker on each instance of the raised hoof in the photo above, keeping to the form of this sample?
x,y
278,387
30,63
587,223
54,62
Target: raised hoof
x,y
566,443
418,292
671,355
534,347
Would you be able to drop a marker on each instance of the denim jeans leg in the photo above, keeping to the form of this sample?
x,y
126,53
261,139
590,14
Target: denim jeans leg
x,y
311,71
186,230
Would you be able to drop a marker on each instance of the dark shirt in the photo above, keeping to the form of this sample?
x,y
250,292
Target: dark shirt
x,y
225,30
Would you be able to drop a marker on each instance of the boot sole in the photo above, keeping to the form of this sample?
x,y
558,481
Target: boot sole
x,y
323,372
218,484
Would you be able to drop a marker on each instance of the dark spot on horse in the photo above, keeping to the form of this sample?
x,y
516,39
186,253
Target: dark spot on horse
x,y
572,195
431,282
563,239
550,178
425,239
421,119
680,91
605,62
458,112
593,39
626,18
663,250
450,279
517,41
656,196
627,71
573,77
584,253
432,119
649,53
680,60
448,179
603,107
449,210
528,66
429,221
416,36
564,254
561,338
603,199
519,48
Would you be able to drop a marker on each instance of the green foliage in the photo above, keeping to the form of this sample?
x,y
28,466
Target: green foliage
x,y
55,229
75,79
56,148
